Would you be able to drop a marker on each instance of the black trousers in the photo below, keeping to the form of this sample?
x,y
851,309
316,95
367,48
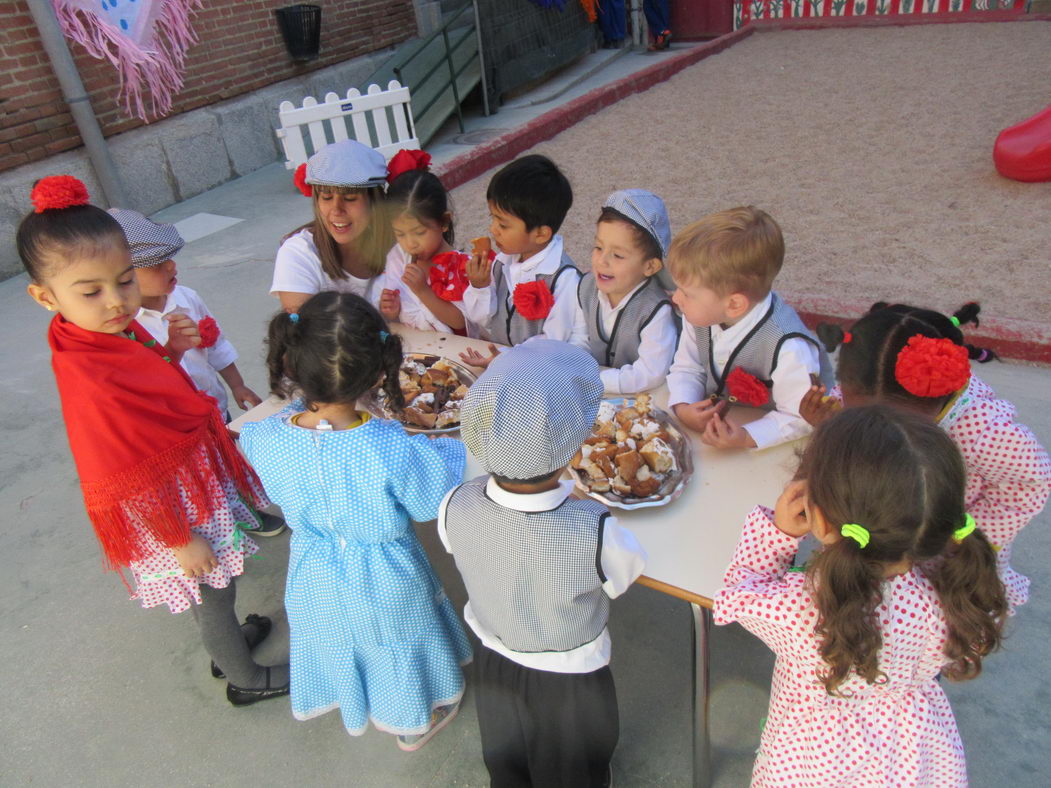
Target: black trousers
x,y
544,730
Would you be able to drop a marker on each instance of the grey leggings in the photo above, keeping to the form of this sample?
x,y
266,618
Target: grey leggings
x,y
223,638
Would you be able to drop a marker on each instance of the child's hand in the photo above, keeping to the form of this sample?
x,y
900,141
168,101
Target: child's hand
x,y
415,278
790,510
196,557
475,359
695,415
479,270
390,304
723,434
245,397
816,406
182,334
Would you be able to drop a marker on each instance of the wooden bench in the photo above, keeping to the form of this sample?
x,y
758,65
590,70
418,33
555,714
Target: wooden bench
x,y
370,116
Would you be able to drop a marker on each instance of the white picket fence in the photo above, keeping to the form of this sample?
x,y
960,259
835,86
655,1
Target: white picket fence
x,y
370,118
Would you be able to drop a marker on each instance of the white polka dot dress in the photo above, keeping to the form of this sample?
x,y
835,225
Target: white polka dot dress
x,y
372,632
900,733
159,579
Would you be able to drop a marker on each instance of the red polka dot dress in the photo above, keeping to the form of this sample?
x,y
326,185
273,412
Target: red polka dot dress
x,y
898,733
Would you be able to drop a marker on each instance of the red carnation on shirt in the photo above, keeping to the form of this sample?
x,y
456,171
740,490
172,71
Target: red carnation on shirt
x,y
929,367
533,300
209,331
746,388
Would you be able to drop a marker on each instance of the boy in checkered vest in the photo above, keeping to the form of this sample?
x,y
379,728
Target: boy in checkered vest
x,y
540,568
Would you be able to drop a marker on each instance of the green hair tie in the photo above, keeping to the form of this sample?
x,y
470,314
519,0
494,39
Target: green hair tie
x,y
856,532
955,321
964,530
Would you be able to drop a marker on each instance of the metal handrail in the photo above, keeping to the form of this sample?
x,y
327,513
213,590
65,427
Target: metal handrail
x,y
454,73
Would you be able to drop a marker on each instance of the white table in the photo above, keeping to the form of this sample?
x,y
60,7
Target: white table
x,y
690,542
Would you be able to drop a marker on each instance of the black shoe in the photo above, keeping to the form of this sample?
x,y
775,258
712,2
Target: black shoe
x,y
255,629
269,525
239,696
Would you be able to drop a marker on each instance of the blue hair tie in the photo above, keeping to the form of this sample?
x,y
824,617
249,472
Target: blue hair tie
x,y
294,317
384,336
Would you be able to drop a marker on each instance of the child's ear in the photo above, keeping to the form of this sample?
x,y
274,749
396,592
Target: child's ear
x,y
42,296
543,234
446,222
652,266
737,305
819,525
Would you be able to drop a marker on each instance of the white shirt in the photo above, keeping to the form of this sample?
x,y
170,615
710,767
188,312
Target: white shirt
x,y
201,364
414,312
796,360
622,560
480,303
656,345
297,269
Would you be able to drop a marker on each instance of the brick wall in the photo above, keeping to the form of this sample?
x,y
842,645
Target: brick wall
x,y
239,50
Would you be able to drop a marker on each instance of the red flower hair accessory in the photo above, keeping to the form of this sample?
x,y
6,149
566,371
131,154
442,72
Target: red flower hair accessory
x,y
58,191
929,367
533,300
746,388
847,337
209,331
300,180
406,160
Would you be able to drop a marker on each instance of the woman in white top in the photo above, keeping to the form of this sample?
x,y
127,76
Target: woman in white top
x,y
344,248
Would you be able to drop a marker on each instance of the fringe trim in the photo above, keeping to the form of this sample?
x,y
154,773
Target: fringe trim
x,y
157,70
135,509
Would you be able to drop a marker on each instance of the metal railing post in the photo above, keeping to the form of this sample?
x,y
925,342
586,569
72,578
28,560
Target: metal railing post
x,y
481,59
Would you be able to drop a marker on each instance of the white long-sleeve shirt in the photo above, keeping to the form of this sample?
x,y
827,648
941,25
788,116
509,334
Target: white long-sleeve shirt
x,y
791,379
622,560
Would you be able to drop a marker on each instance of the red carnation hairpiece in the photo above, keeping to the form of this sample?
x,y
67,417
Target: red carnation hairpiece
x,y
746,388
847,337
929,367
407,160
58,191
209,331
300,180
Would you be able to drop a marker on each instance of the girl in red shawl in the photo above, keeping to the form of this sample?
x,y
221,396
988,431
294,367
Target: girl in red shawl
x,y
164,486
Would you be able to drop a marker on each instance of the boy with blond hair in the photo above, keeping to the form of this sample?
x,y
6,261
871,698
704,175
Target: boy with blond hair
x,y
739,338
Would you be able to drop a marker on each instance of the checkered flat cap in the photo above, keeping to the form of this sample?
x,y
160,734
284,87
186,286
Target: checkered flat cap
x,y
151,243
647,210
531,410
347,163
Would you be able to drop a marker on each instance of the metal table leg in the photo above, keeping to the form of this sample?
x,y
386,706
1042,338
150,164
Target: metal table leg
x,y
702,752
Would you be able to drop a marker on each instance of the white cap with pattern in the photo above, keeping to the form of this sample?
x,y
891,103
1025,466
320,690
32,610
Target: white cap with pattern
x,y
647,210
531,410
151,243
348,164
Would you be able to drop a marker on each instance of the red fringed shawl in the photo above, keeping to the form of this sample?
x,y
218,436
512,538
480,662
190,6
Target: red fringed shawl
x,y
136,425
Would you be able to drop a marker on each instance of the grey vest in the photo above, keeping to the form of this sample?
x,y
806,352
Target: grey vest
x,y
758,352
534,578
507,327
622,345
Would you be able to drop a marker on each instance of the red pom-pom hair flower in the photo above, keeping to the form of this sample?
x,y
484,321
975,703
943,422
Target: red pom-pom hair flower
x,y
533,300
58,191
209,331
929,367
746,388
405,161
300,180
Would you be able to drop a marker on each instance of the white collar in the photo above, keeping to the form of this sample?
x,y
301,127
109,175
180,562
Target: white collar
x,y
546,261
170,303
740,329
603,299
529,502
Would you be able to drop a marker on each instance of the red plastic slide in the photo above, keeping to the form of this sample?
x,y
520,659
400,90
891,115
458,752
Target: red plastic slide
x,y
1023,152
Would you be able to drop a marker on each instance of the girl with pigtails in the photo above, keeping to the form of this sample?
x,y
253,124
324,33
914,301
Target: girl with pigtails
x,y
371,630
917,359
902,589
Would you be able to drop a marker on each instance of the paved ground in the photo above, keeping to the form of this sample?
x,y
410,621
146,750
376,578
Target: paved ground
x,y
100,692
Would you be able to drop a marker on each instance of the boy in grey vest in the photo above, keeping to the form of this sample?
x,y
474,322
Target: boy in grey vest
x,y
530,289
739,338
540,568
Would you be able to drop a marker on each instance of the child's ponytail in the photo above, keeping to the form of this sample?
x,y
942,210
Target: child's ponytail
x,y
391,358
280,336
975,604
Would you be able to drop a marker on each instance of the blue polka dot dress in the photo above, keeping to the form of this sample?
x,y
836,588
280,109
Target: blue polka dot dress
x,y
372,632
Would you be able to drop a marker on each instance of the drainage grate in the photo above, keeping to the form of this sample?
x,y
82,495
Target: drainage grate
x,y
478,137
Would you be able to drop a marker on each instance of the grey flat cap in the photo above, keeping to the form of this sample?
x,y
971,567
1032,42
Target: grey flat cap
x,y
347,163
647,210
151,243
531,410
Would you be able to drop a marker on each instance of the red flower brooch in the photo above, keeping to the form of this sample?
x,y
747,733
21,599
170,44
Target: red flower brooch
x,y
300,180
746,388
209,331
405,161
533,300
58,191
929,367
448,275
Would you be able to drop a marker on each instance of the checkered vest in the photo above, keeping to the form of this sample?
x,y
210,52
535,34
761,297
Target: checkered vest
x,y
507,327
534,578
758,352
622,345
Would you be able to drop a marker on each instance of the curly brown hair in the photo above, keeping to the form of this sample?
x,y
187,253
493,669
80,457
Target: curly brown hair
x,y
901,477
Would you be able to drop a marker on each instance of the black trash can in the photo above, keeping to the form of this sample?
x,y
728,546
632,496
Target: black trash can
x,y
301,28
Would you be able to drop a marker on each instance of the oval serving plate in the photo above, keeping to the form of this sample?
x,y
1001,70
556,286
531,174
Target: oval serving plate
x,y
673,485
374,404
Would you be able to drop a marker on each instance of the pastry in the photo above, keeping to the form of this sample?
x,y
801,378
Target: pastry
x,y
658,455
481,246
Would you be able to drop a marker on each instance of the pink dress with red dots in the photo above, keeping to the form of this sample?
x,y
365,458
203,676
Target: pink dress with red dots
x,y
898,733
